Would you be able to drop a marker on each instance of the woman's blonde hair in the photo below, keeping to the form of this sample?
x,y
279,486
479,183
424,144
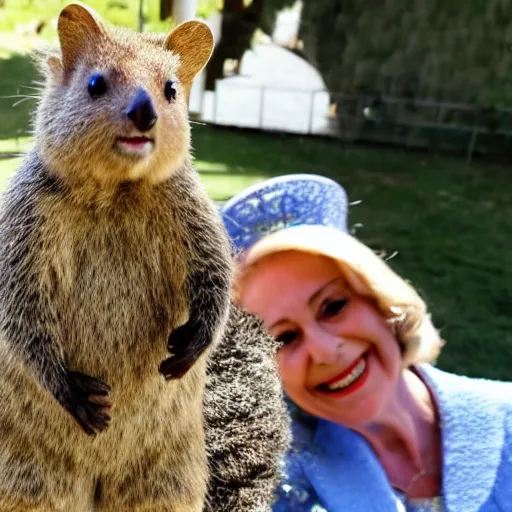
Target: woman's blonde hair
x,y
367,275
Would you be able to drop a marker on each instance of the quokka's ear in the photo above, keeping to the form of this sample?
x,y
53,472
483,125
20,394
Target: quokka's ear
x,y
78,27
193,42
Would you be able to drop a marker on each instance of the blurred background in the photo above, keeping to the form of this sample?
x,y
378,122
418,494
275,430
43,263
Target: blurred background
x,y
407,103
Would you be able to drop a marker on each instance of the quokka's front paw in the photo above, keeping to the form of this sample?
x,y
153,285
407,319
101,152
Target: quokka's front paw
x,y
88,402
186,344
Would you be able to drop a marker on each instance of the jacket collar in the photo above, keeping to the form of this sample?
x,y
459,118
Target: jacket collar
x,y
473,435
472,425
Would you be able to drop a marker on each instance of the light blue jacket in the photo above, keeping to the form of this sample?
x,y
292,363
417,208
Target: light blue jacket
x,y
336,468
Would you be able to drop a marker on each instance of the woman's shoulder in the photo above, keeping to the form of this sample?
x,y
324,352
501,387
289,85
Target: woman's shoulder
x,y
460,388
471,404
476,424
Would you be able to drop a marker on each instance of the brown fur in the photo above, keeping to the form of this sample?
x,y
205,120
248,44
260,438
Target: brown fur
x,y
102,257
247,425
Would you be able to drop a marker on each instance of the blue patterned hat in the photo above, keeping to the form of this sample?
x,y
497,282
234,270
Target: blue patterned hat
x,y
283,202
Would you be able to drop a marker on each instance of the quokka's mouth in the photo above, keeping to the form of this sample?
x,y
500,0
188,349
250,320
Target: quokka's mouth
x,y
138,146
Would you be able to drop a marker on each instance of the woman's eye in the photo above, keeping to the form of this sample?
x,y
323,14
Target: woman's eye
x,y
287,337
333,307
170,90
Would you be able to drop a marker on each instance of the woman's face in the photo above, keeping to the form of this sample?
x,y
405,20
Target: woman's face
x,y
340,359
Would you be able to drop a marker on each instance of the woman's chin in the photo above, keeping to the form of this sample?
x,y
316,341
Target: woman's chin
x,y
357,416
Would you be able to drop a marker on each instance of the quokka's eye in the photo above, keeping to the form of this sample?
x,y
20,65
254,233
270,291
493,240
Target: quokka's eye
x,y
170,90
97,86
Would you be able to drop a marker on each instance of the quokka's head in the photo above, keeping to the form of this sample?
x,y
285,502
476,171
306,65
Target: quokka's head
x,y
115,105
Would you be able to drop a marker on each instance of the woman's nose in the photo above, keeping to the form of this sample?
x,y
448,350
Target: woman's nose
x,y
322,346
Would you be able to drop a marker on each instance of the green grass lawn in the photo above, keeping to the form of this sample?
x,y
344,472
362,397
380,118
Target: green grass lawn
x,y
448,225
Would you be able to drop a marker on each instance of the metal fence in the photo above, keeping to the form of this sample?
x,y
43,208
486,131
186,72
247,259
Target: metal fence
x,y
296,110
412,123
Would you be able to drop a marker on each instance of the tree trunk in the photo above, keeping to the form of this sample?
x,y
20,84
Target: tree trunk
x,y
165,9
238,26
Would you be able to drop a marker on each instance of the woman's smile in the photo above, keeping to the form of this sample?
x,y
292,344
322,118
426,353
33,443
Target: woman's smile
x,y
348,381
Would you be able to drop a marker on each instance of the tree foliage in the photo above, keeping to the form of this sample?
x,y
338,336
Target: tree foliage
x,y
455,50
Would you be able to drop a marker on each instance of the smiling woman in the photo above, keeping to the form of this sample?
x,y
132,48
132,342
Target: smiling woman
x,y
339,357
378,427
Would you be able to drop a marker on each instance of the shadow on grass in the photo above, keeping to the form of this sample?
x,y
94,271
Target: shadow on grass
x,y
18,73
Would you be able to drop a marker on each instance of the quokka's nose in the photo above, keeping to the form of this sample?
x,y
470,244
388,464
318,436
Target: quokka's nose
x,y
141,111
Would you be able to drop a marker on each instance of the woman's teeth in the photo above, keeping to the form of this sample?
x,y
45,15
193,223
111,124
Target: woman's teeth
x,y
350,378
